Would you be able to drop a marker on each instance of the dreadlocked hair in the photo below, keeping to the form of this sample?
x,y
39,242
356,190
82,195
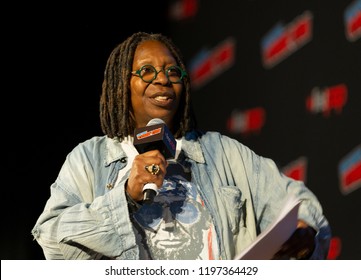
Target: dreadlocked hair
x,y
115,116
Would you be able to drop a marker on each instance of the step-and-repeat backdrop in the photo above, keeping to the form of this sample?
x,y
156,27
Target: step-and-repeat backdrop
x,y
284,78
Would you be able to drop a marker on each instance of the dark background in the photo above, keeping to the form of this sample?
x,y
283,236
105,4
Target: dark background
x,y
53,64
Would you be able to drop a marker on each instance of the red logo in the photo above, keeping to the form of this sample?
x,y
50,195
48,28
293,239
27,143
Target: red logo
x,y
209,64
281,41
349,170
145,134
183,9
245,122
352,18
335,248
296,169
327,99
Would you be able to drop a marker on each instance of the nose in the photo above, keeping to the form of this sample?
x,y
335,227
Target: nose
x,y
168,220
161,77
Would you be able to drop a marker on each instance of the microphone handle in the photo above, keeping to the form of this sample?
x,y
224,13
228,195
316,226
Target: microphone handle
x,y
150,190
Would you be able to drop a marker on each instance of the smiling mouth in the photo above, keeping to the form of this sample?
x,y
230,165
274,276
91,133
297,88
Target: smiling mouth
x,y
162,98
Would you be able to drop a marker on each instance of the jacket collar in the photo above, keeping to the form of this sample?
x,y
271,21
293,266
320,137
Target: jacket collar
x,y
192,149
113,150
190,146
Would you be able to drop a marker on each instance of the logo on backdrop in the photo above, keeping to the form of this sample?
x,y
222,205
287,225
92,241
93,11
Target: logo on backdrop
x,y
352,18
183,9
327,99
281,41
349,170
296,169
335,248
247,121
210,63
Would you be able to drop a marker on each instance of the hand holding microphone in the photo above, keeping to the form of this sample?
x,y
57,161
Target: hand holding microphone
x,y
143,184
155,144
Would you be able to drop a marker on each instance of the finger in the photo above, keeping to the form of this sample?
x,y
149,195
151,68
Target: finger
x,y
299,246
140,175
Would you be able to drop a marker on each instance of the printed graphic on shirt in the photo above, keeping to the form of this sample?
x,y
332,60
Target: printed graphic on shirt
x,y
176,225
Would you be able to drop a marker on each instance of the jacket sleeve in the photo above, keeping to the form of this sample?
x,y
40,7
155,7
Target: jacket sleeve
x,y
75,225
269,187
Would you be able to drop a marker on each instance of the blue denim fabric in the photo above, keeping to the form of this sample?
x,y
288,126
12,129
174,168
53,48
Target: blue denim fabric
x,y
86,216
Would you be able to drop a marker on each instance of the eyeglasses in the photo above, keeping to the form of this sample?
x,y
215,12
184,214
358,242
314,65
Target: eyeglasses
x,y
185,212
148,73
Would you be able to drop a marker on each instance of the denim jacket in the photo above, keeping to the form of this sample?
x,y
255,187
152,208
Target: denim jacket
x,y
86,216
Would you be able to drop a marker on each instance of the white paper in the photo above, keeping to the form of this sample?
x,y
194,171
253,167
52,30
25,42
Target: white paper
x,y
270,241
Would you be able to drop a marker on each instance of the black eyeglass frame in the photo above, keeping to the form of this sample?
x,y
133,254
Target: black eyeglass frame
x,y
165,70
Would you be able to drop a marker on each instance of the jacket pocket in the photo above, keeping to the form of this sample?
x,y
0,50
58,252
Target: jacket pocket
x,y
234,206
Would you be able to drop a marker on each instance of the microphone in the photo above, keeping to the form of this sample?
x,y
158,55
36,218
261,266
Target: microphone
x,y
155,136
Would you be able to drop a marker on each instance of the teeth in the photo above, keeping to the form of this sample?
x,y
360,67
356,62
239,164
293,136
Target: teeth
x,y
161,98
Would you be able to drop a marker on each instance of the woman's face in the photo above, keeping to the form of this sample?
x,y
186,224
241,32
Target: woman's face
x,y
159,98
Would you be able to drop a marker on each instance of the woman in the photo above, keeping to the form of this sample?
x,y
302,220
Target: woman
x,y
213,199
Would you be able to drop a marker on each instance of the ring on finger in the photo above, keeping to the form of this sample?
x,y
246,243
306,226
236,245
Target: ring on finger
x,y
152,169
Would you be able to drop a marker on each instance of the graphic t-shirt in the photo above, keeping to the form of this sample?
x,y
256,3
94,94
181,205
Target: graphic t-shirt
x,y
177,225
